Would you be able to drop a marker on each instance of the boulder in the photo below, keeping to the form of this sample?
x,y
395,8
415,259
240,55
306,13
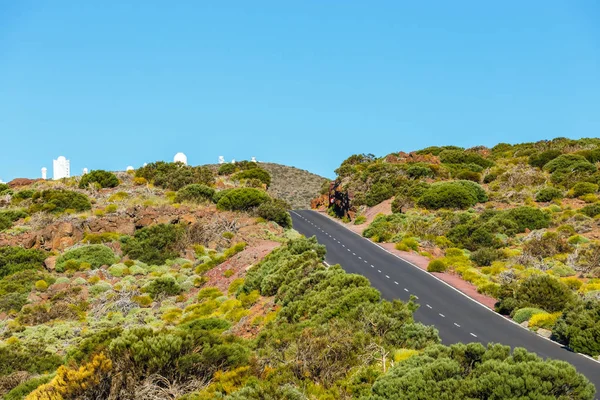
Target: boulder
x,y
544,333
50,263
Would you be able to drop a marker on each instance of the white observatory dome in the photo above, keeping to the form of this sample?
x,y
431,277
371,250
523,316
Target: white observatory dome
x,y
180,157
130,168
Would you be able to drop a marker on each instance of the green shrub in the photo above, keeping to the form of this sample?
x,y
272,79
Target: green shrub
x,y
164,286
59,200
591,210
4,187
96,255
436,266
103,178
485,256
16,259
579,328
464,157
528,218
361,219
524,314
569,163
378,193
255,173
195,193
119,270
32,358
417,171
7,217
154,244
541,159
583,188
456,194
545,292
23,389
226,169
99,238
242,199
469,176
548,194
275,211
408,244
174,176
472,371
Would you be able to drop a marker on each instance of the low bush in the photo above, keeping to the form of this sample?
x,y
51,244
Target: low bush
x,y
543,320
154,244
174,176
195,193
541,159
583,188
226,169
275,211
16,259
104,179
254,173
407,244
242,199
99,238
548,194
591,210
525,314
164,286
59,200
579,329
96,255
361,219
455,194
436,266
378,193
485,256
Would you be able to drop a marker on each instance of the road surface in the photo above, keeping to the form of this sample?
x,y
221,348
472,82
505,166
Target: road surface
x,y
457,317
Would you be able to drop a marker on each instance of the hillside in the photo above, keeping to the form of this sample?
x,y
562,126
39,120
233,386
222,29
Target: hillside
x,y
295,186
519,222
180,282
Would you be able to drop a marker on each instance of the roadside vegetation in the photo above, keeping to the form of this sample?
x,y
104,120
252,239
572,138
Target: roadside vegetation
x,y
520,222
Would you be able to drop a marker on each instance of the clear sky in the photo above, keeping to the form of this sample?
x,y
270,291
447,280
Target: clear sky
x,y
305,83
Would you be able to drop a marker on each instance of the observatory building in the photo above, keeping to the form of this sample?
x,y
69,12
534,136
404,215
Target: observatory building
x,y
44,173
180,157
61,168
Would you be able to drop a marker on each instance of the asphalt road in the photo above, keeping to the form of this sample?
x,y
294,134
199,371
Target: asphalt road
x,y
457,317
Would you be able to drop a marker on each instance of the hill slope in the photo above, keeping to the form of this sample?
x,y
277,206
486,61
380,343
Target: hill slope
x,y
520,222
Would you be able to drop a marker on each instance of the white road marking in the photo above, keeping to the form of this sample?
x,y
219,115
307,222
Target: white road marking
x,y
395,282
457,324
359,257
405,289
442,315
372,266
366,262
379,270
428,305
387,276
472,334
353,253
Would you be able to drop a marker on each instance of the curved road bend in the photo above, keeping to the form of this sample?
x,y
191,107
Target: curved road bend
x,y
457,317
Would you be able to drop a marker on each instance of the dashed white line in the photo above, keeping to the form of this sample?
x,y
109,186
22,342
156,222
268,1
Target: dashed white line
x,y
372,266
396,282
457,324
405,289
442,315
366,262
359,257
353,253
387,276
343,245
472,334
379,270
428,305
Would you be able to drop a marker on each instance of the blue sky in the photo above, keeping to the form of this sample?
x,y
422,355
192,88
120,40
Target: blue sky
x,y
306,83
